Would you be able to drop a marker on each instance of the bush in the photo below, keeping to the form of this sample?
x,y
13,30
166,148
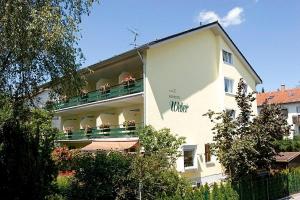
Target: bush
x,y
101,176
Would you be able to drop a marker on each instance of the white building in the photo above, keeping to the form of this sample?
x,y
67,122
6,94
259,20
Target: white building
x,y
289,99
177,80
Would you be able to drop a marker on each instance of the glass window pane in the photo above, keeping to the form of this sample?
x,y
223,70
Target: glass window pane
x,y
188,158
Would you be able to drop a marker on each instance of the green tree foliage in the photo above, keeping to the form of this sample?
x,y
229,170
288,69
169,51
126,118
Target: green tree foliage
x,y
113,175
38,46
246,144
26,168
287,144
101,176
154,166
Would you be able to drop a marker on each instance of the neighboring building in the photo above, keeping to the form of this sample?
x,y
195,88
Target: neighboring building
x,y
289,99
285,160
177,80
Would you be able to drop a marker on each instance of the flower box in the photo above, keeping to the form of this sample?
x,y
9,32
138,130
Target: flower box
x,y
105,89
105,127
129,125
128,81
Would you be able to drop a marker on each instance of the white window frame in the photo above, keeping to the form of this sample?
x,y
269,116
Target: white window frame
x,y
230,57
232,87
297,109
190,148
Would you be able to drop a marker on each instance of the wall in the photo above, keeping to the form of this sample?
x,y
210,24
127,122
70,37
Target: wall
x,y
292,110
235,71
187,69
190,70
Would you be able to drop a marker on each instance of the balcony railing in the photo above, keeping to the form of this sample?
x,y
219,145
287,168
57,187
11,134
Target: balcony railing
x,y
115,131
97,95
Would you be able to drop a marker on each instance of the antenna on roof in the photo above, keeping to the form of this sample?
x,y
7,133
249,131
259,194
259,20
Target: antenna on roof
x,y
136,34
200,23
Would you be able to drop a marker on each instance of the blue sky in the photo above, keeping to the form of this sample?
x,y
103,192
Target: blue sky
x,y
266,31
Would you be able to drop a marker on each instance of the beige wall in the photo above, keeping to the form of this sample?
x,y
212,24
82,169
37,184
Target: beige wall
x,y
190,69
114,117
235,71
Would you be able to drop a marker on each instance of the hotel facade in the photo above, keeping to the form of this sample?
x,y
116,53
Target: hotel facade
x,y
167,83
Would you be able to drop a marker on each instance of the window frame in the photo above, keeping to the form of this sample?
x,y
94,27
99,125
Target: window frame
x,y
232,87
192,148
230,57
297,109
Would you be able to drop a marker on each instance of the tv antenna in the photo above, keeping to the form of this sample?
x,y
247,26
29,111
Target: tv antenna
x,y
136,34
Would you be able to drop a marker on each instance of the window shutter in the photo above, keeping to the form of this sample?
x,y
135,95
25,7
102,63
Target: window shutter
x,y
207,153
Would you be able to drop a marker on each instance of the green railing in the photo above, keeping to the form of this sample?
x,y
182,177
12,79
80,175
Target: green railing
x,y
115,91
94,133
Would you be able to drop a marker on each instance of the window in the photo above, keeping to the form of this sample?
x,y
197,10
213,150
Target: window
x,y
231,113
285,112
227,57
189,156
228,83
245,89
207,153
298,109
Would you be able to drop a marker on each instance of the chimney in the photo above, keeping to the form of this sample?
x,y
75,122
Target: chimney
x,y
282,87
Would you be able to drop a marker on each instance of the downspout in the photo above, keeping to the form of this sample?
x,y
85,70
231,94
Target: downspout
x,y
144,83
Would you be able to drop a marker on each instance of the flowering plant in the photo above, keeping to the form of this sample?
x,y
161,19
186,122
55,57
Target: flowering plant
x,y
88,129
104,125
62,158
68,130
105,87
128,80
129,123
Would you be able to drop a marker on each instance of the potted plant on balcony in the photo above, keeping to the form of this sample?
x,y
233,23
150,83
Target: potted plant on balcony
x,y
128,81
84,94
129,125
104,89
88,130
105,127
68,131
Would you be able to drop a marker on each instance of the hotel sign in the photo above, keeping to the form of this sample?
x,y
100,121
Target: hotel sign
x,y
176,105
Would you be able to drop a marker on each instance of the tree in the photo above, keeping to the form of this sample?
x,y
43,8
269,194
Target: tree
x,y
26,167
38,49
154,167
38,46
246,144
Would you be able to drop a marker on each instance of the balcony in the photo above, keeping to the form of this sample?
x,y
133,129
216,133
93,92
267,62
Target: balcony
x,y
116,131
98,95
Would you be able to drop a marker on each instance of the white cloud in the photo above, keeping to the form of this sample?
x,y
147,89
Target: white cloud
x,y
233,17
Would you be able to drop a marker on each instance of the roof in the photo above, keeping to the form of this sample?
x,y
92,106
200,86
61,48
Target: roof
x,y
143,47
286,156
110,145
284,96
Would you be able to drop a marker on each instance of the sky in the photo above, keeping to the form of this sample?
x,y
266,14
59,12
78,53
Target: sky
x,y
266,31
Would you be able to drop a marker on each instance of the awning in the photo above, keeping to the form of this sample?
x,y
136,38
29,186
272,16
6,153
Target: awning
x,y
110,145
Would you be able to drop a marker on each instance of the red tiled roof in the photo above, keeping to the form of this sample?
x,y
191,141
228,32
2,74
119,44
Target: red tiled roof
x,y
279,97
286,156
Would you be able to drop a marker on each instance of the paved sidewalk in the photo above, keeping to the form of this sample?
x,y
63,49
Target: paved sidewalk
x,y
294,197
